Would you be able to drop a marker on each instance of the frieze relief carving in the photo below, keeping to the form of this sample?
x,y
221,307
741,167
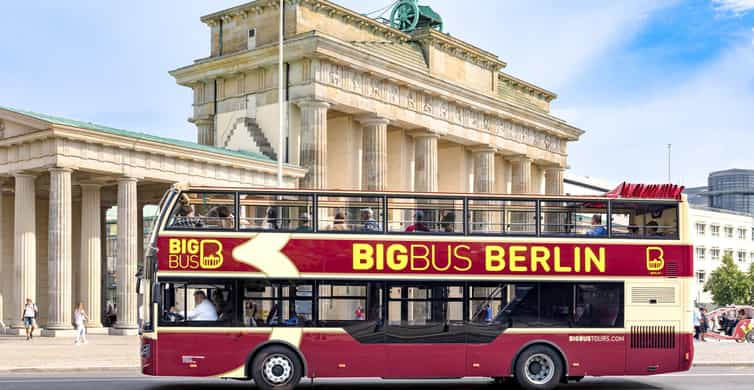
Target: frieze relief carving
x,y
346,78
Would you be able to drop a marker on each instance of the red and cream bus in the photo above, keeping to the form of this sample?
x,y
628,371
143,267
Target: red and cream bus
x,y
276,285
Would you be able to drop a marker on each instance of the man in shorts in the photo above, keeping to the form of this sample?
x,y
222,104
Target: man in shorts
x,y
28,315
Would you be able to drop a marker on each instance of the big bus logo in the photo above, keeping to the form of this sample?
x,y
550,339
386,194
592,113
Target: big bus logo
x,y
655,259
191,253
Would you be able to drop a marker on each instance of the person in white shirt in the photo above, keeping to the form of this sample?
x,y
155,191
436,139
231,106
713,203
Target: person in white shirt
x,y
79,319
28,316
204,310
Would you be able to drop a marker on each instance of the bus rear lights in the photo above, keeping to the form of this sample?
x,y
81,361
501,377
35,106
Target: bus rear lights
x,y
687,356
576,364
341,365
476,365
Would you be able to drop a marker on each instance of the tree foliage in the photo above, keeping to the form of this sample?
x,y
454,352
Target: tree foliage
x,y
729,285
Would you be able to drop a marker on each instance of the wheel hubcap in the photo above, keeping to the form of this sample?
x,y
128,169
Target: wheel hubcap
x,y
539,369
277,369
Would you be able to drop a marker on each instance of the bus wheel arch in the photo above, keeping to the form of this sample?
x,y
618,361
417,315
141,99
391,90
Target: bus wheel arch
x,y
274,344
542,347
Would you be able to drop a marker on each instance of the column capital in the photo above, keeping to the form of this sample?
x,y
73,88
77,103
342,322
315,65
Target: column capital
x,y
519,159
59,169
423,133
91,185
483,149
312,103
372,120
127,179
24,174
553,168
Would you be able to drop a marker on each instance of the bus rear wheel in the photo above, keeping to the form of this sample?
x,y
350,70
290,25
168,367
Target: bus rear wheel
x,y
539,368
276,368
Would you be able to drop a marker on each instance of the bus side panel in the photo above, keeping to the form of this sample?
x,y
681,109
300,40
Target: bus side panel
x,y
206,354
331,355
148,354
586,354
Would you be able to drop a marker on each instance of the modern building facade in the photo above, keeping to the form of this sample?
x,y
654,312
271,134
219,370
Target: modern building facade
x,y
368,107
716,233
731,189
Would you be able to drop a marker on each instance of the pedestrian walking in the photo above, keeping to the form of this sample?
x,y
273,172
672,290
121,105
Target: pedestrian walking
x,y
697,324
29,314
79,319
702,322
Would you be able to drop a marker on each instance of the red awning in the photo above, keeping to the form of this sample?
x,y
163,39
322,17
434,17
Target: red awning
x,y
651,191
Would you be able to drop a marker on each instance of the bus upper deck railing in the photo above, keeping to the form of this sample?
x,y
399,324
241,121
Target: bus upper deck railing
x,y
444,214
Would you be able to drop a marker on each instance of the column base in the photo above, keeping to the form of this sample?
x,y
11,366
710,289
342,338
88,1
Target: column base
x,y
123,331
59,333
21,332
98,330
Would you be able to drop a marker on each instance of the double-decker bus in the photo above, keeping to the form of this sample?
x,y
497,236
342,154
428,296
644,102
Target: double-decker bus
x,y
275,285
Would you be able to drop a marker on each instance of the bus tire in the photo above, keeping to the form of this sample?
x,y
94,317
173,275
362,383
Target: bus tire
x,y
276,368
539,368
750,336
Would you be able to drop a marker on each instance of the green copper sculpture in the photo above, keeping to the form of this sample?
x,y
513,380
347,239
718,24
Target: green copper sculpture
x,y
408,15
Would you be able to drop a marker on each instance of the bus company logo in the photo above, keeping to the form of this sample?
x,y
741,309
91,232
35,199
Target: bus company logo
x,y
655,259
597,339
192,254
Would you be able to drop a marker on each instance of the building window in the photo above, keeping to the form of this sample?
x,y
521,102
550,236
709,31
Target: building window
x,y
751,257
714,254
700,253
741,256
729,231
700,277
700,228
741,233
728,252
715,230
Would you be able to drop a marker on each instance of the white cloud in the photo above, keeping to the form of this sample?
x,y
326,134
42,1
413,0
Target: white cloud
x,y
735,6
708,118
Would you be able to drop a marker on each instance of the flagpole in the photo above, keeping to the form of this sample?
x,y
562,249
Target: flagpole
x,y
281,106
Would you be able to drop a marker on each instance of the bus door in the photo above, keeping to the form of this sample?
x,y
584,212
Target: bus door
x,y
424,333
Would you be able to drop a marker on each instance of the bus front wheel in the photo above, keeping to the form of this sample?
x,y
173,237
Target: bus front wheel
x,y
276,368
539,368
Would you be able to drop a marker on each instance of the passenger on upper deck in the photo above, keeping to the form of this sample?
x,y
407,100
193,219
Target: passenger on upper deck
x,y
448,220
370,225
597,228
220,216
186,217
270,219
652,228
418,225
304,223
339,223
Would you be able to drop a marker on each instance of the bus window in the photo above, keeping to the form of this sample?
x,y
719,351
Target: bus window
x,y
425,215
574,218
197,304
277,303
275,212
599,305
350,214
342,302
645,220
203,210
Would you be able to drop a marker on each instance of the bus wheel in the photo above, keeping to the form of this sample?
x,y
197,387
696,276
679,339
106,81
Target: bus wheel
x,y
277,368
750,336
539,368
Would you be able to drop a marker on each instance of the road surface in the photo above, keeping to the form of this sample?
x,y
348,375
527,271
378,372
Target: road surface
x,y
727,378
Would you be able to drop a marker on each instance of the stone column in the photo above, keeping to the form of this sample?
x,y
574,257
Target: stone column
x,y
426,162
313,155
374,152
521,175
24,242
205,131
59,252
484,182
554,180
127,261
91,253
554,222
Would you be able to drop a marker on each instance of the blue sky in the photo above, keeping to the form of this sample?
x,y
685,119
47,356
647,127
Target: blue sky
x,y
635,74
